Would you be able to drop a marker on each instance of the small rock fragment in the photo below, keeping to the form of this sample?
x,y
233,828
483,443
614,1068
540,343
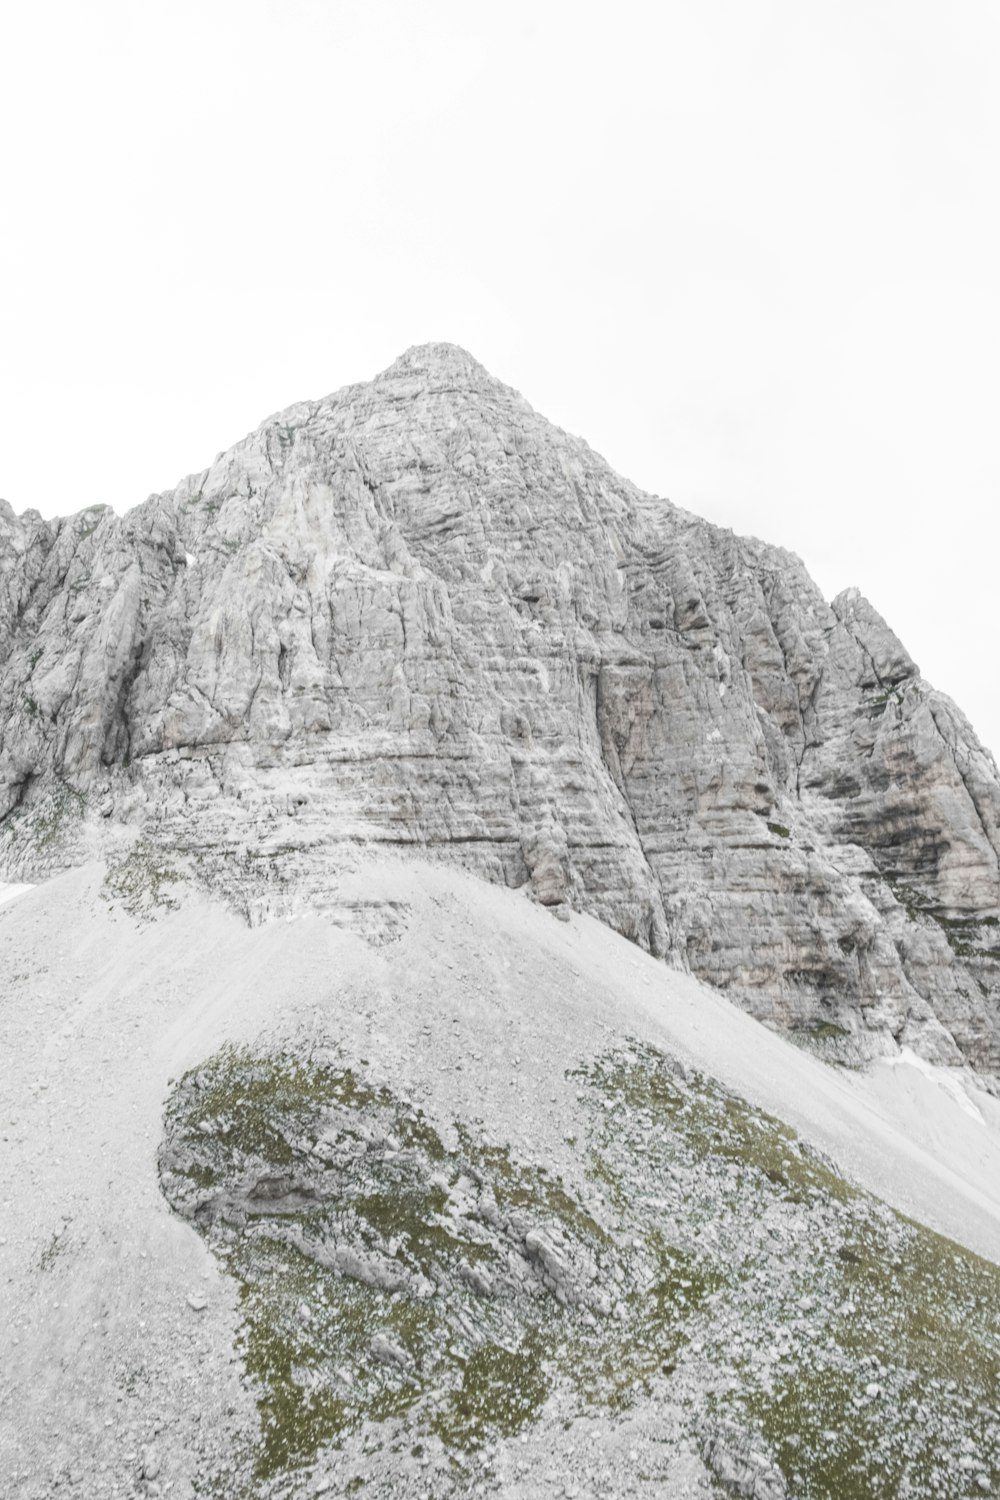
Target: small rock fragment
x,y
386,1352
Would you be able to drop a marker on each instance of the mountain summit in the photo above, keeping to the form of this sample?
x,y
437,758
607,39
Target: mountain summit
x,y
415,614
429,1193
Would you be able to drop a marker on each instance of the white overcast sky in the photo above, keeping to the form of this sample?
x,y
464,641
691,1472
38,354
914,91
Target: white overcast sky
x,y
749,250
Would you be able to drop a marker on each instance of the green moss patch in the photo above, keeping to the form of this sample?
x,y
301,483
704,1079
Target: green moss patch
x,y
707,1257
858,1349
384,1275
49,821
143,881
501,1390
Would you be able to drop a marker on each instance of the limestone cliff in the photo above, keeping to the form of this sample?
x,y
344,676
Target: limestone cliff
x,y
417,614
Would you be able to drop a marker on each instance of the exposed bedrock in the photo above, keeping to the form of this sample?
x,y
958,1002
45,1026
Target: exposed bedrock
x,y
415,613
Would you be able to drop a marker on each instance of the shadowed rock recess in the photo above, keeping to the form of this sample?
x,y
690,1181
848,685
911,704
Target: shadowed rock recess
x,y
416,614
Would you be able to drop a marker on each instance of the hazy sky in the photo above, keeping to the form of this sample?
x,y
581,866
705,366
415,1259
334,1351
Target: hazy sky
x,y
749,250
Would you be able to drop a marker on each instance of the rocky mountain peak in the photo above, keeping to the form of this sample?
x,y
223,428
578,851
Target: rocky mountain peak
x,y
438,359
889,660
417,616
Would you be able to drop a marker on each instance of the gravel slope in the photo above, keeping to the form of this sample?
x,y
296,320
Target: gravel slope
x,y
119,1366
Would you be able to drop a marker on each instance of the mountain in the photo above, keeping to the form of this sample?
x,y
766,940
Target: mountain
x,y
416,615
404,826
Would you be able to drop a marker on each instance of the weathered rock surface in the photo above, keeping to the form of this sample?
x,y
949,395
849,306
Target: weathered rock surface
x,y
415,613
747,1287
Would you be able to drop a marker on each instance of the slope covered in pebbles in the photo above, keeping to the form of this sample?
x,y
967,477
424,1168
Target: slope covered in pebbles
x,y
501,1202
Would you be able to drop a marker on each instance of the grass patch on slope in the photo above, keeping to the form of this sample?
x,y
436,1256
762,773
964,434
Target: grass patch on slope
x,y
384,1275
856,1347
47,825
712,1257
142,881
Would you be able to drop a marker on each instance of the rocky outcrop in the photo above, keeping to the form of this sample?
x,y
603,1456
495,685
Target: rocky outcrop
x,y
417,614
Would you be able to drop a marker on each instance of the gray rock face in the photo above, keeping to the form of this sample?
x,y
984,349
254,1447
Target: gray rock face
x,y
417,614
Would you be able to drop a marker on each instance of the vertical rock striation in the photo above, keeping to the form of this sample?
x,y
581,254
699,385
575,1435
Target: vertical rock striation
x,y
417,614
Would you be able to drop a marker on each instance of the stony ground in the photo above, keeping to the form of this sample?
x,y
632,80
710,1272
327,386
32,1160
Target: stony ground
x,y
467,1207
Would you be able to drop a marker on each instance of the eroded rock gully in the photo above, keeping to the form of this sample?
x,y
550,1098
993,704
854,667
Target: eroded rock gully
x,y
415,613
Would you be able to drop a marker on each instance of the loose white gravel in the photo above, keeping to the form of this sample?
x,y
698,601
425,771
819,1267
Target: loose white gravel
x,y
119,1372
